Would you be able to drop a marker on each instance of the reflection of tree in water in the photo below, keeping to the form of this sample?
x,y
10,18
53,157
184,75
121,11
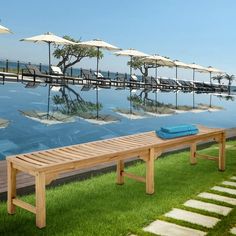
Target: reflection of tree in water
x,y
142,102
69,102
146,104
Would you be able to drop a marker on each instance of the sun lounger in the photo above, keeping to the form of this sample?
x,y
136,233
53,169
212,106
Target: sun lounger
x,y
38,76
47,165
4,75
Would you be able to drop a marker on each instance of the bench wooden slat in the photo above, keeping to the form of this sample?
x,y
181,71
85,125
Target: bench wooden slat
x,y
28,158
60,153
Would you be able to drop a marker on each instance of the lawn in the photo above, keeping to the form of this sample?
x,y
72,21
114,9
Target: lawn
x,y
98,206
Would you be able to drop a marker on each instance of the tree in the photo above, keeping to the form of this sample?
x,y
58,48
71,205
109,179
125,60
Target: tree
x,y
137,63
69,55
218,78
230,79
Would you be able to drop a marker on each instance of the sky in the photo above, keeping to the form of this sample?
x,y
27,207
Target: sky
x,y
200,31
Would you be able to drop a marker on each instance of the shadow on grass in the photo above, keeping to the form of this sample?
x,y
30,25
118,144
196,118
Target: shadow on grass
x,y
100,207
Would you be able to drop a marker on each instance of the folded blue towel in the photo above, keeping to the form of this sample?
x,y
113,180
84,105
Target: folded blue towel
x,y
179,128
166,135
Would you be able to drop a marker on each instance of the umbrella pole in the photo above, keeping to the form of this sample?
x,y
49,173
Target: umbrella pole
x,y
176,95
210,78
49,71
193,91
176,73
49,57
97,82
49,90
210,100
130,71
156,86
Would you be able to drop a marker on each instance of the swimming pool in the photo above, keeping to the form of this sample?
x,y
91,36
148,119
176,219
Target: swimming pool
x,y
25,135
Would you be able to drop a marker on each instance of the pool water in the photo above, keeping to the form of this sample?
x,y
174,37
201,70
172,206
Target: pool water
x,y
26,135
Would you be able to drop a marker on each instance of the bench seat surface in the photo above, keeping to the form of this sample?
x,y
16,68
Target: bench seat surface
x,y
98,150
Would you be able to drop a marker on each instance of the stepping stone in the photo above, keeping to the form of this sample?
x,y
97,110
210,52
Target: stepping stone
x,y
229,183
233,230
217,197
195,218
169,229
224,190
222,210
234,178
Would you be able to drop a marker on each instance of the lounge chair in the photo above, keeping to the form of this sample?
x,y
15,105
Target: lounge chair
x,y
47,165
38,76
91,78
56,71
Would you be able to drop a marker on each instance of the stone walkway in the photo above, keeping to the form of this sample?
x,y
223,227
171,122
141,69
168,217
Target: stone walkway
x,y
233,231
165,228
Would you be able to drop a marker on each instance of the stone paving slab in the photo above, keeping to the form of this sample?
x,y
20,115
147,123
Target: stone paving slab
x,y
233,230
217,197
229,183
169,229
222,210
233,178
195,218
224,190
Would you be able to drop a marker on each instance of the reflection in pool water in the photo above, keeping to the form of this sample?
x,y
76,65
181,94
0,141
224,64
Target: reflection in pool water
x,y
24,135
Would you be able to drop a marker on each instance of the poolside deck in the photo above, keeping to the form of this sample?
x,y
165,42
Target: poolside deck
x,y
88,83
25,183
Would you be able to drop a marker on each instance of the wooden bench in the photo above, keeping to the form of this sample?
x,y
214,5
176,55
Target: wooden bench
x,y
47,165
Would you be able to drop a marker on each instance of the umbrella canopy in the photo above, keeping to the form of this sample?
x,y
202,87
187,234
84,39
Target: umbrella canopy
x,y
97,43
132,53
48,38
181,64
4,30
213,70
197,67
159,60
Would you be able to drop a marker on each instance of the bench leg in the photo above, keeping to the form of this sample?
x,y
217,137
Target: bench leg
x,y
193,149
11,183
221,164
40,200
150,172
119,170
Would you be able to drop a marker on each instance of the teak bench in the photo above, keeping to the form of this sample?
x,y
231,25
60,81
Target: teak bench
x,y
47,165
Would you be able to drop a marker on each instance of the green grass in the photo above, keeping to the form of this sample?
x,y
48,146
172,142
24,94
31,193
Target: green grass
x,y
100,207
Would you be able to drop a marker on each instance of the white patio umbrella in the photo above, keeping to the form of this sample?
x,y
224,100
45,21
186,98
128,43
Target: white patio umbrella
x,y
158,60
131,53
48,38
195,68
4,30
98,44
179,64
211,70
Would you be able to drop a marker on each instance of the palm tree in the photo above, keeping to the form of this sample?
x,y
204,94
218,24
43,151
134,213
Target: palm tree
x,y
218,78
230,79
